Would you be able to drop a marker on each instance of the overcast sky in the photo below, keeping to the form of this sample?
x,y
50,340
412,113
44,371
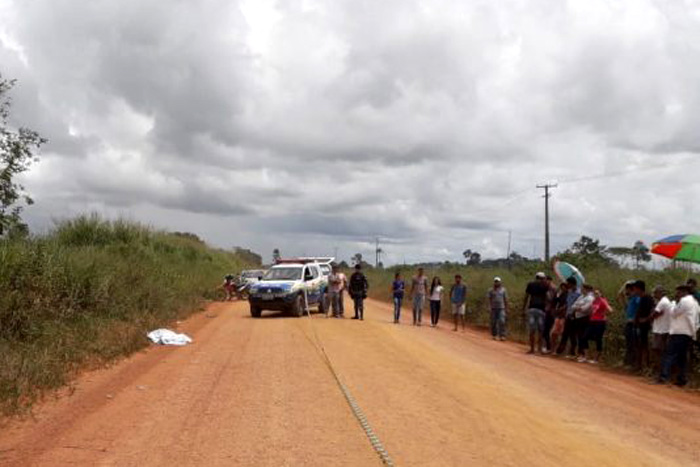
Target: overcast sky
x,y
313,125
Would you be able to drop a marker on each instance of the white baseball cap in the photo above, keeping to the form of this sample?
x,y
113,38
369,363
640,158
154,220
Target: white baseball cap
x,y
497,279
540,275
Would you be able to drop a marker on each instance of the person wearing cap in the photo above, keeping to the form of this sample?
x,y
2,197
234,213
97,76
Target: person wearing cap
x,y
498,303
534,306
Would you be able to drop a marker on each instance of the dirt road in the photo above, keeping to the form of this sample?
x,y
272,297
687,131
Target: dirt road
x,y
257,392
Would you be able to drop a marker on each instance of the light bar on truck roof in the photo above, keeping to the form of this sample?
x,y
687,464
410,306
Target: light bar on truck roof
x,y
306,259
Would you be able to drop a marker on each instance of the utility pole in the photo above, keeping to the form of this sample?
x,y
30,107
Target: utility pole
x,y
546,197
377,251
510,233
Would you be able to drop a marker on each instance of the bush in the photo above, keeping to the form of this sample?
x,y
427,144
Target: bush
x,y
87,293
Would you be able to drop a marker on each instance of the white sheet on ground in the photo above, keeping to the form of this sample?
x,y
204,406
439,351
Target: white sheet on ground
x,y
168,337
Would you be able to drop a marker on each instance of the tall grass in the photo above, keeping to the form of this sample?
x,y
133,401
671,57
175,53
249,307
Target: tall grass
x,y
480,279
86,293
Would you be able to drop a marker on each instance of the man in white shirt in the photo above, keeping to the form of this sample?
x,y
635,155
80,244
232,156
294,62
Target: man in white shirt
x,y
336,284
682,329
661,322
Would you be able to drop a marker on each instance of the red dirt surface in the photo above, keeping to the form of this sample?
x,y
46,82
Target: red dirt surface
x,y
257,392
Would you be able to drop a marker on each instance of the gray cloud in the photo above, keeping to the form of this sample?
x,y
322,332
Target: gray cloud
x,y
322,124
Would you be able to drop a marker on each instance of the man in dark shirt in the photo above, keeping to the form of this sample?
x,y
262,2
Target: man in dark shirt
x,y
534,306
642,322
358,291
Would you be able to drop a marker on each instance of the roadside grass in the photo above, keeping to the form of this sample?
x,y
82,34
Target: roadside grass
x,y
86,293
480,279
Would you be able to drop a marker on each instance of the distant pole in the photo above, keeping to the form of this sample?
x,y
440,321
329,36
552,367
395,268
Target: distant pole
x,y
376,253
335,254
546,188
510,233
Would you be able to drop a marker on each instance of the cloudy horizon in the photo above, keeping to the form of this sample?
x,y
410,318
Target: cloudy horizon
x,y
316,125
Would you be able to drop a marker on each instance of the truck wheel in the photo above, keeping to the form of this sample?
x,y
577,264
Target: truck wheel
x,y
255,311
298,308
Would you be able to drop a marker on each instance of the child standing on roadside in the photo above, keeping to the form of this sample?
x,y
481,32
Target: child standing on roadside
x,y
436,289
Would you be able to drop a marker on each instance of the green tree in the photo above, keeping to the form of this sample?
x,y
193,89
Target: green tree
x,y
473,258
357,259
639,253
587,252
17,153
276,255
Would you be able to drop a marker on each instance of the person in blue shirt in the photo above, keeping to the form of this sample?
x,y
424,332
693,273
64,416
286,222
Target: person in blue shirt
x,y
630,302
458,298
570,332
397,291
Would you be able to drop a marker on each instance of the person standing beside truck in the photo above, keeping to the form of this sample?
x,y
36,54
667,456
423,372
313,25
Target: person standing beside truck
x,y
357,288
336,284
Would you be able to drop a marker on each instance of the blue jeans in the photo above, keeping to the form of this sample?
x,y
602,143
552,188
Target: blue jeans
x,y
676,354
535,320
334,298
397,308
418,301
498,322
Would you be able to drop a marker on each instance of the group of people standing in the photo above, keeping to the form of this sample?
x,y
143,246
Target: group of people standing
x,y
575,315
421,292
562,319
668,327
357,288
570,315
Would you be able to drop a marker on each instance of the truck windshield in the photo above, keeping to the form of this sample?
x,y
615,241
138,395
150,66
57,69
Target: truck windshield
x,y
290,273
250,274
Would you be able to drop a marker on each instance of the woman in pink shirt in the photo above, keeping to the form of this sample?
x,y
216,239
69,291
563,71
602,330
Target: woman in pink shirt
x,y
596,326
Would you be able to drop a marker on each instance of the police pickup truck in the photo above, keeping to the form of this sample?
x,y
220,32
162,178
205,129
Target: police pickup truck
x,y
289,286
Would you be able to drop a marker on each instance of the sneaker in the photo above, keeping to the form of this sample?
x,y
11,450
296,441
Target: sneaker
x,y
502,338
592,362
495,338
581,359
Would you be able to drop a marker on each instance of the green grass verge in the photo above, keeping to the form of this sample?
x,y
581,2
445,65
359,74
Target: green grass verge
x,y
87,292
